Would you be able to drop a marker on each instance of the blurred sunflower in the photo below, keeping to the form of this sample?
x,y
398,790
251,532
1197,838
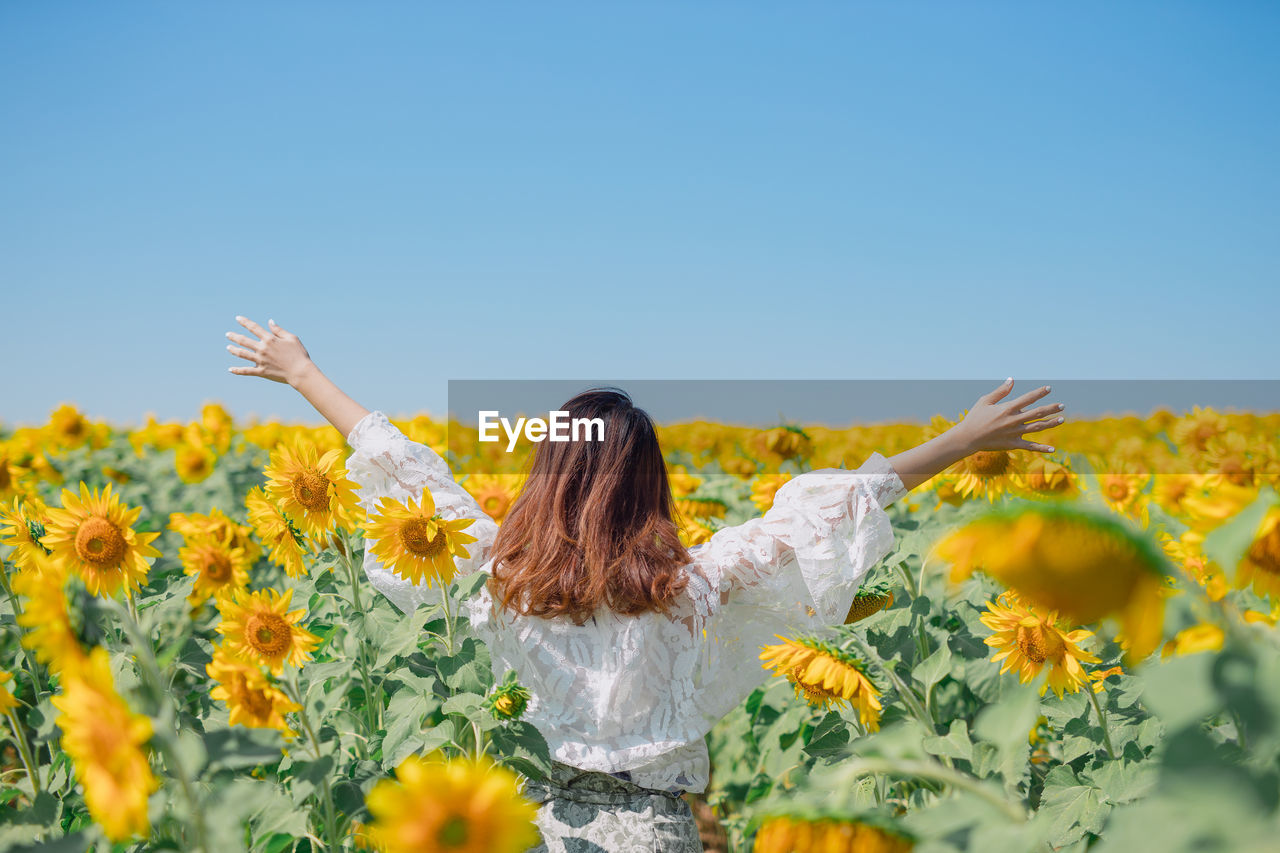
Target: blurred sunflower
x,y
682,482
793,834
93,536
1204,637
10,475
7,701
693,532
51,631
194,462
700,508
824,675
415,542
1098,677
286,546
22,527
782,443
988,473
312,489
1187,551
765,487
251,698
1081,565
217,568
494,492
1230,460
1194,429
67,428
1029,639
1044,477
218,527
460,805
105,741
260,629
1260,567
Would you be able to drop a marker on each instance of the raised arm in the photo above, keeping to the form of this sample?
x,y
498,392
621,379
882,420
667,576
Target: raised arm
x,y
278,355
989,425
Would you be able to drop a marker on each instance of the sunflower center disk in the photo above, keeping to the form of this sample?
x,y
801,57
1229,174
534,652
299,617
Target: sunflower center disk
x,y
99,542
419,539
268,634
254,699
453,833
312,491
1039,645
989,463
218,568
1265,553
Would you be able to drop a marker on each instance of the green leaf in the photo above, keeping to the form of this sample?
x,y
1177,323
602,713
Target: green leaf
x,y
829,737
1069,808
934,668
240,747
1228,544
955,745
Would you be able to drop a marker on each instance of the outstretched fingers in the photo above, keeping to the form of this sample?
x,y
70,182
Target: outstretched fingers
x,y
253,327
1028,398
247,355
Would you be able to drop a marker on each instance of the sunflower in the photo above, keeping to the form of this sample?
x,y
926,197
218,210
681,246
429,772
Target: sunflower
x,y
495,493
7,701
868,602
1099,677
1231,461
988,473
1204,637
1029,639
701,507
1187,552
415,542
460,805
252,699
782,443
10,475
312,489
1194,430
1260,566
765,488
260,629
824,675
193,462
1082,566
105,741
508,700
22,528
217,568
1170,489
51,631
693,532
792,834
682,482
93,536
1045,478
285,543
67,428
217,526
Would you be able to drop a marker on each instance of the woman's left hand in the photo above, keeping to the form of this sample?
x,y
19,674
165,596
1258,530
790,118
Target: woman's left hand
x,y
995,425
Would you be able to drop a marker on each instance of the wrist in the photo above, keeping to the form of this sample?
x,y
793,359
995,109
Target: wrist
x,y
961,442
301,373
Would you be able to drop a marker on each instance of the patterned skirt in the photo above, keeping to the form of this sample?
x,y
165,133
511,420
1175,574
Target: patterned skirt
x,y
585,811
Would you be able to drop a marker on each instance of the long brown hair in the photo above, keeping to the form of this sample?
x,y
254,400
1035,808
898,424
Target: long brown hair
x,y
593,524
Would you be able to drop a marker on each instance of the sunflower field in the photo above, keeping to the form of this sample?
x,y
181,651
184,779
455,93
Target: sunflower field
x,y
1073,651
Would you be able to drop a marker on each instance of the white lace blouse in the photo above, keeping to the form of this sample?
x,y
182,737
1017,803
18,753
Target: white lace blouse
x,y
635,695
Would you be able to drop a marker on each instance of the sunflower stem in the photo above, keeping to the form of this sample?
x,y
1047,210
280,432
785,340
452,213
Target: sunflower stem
x,y
448,617
32,672
150,672
1102,720
330,818
24,751
933,771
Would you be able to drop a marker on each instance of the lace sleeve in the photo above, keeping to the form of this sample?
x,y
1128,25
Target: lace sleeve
x,y
795,569
385,463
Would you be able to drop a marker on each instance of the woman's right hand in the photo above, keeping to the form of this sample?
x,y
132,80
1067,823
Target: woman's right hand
x,y
276,354
995,425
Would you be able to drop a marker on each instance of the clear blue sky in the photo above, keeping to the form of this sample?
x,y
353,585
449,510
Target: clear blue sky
x,y
631,190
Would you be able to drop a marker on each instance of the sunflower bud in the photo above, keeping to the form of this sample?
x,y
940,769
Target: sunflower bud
x,y
508,700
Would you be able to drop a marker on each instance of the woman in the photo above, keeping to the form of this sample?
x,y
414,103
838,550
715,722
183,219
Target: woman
x,y
631,646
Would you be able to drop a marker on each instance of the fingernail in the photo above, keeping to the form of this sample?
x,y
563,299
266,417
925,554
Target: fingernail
x,y
1010,379
1060,420
271,322
239,317
1048,388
